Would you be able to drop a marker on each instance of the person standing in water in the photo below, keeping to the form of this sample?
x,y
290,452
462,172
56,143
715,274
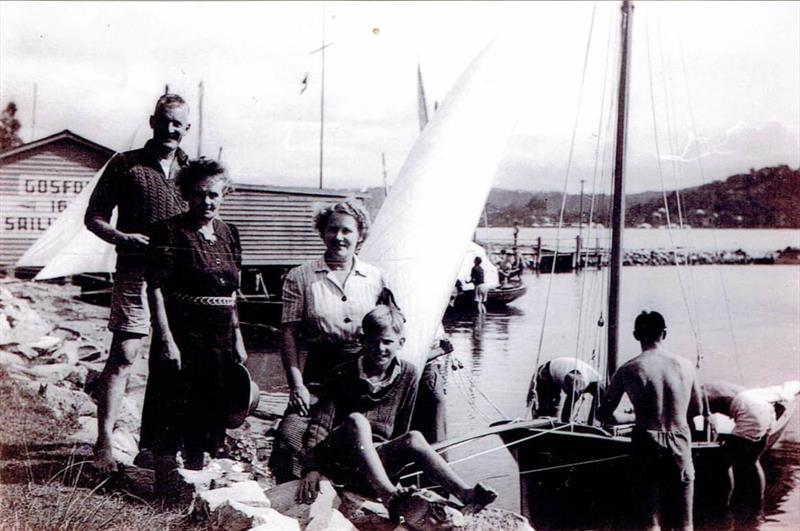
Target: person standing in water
x,y
665,394
478,279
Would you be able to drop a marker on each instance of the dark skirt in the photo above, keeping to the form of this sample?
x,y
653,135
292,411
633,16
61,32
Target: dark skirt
x,y
286,460
186,409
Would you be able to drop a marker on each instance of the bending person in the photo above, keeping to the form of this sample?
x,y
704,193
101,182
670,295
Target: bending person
x,y
324,302
754,412
359,435
193,274
568,375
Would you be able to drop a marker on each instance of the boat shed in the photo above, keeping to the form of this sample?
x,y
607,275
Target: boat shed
x,y
38,180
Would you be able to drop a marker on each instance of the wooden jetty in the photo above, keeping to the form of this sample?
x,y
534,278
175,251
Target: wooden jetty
x,y
568,257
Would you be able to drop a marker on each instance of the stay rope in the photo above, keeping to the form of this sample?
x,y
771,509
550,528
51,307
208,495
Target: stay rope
x,y
493,449
581,338
664,195
676,175
718,269
532,386
557,467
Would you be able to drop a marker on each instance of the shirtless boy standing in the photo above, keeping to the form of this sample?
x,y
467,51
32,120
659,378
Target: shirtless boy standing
x,y
665,394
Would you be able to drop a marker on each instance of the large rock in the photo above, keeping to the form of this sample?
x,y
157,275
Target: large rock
x,y
365,513
491,519
320,515
55,373
246,492
237,516
65,402
135,480
217,474
46,345
331,520
86,432
125,446
130,414
11,359
197,481
229,472
19,323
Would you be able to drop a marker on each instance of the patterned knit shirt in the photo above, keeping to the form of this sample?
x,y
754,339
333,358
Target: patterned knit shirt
x,y
135,183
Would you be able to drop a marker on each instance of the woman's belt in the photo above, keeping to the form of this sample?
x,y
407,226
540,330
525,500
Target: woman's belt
x,y
202,300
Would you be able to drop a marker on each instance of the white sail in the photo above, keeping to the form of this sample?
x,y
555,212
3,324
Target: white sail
x,y
67,247
422,231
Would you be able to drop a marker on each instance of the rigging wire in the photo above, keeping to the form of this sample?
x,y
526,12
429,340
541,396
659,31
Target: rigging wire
x,y
676,176
489,401
713,230
556,467
664,193
532,386
580,337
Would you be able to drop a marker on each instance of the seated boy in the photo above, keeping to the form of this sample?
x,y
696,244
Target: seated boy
x,y
359,435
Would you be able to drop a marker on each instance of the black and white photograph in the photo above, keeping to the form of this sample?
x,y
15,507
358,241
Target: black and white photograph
x,y
399,265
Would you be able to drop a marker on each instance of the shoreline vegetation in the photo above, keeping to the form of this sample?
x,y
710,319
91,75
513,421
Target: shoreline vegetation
x,y
52,351
766,198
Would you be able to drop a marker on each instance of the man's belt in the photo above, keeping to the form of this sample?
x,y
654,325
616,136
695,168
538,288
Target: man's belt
x,y
201,300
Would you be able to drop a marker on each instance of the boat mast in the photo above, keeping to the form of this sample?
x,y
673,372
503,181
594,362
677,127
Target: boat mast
x,y
618,196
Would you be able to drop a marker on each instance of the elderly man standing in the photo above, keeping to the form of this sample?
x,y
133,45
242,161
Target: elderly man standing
x,y
140,185
665,394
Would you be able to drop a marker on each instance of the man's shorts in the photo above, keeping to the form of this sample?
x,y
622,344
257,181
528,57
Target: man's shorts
x,y
666,455
481,293
129,310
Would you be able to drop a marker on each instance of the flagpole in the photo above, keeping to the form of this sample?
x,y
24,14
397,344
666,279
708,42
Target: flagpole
x,y
200,120
322,102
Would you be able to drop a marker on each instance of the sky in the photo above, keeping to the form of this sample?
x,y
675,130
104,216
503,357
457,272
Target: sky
x,y
720,81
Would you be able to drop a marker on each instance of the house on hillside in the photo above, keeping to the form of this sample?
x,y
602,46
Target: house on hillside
x,y
38,180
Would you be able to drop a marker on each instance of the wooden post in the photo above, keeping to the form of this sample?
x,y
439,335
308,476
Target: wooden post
x,y
538,257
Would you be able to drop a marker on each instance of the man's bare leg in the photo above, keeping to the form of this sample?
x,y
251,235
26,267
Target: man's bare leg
x,y
113,380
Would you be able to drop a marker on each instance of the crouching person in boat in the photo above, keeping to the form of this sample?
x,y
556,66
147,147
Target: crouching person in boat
x,y
358,435
755,413
665,395
571,376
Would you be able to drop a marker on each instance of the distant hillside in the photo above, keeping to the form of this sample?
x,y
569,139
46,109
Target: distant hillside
x,y
765,198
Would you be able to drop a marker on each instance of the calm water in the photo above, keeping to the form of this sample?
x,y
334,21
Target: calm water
x,y
499,354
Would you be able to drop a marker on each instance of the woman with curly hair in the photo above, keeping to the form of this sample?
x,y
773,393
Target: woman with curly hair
x,y
192,276
324,302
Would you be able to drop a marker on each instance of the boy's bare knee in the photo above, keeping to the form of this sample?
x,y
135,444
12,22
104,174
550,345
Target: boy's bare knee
x,y
356,422
415,440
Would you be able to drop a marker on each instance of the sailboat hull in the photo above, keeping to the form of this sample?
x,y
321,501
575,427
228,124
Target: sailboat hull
x,y
576,476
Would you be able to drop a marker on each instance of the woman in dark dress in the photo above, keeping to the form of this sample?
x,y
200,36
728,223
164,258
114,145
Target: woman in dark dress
x,y
193,274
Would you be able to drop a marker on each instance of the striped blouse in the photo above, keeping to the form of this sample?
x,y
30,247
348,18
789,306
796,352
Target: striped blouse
x,y
331,312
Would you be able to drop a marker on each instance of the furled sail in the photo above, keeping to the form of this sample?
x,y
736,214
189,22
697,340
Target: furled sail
x,y
67,247
422,231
